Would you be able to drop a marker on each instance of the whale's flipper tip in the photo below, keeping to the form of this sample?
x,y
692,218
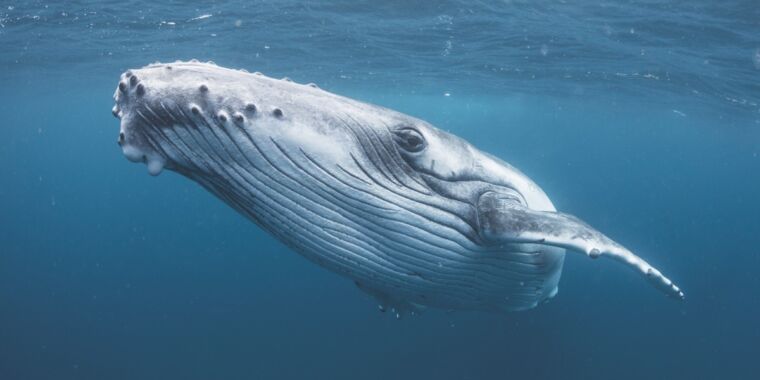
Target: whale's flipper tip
x,y
664,284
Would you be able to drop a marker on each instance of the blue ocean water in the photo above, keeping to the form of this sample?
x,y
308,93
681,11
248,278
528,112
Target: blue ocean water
x,y
641,117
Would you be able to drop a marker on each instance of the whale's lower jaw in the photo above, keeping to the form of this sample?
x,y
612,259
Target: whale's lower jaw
x,y
267,148
399,261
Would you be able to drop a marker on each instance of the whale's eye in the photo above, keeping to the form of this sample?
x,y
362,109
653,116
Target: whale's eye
x,y
409,140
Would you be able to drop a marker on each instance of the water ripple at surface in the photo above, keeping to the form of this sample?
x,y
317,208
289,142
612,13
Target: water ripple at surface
x,y
699,51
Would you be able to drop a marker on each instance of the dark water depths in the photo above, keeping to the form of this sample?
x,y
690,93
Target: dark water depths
x,y
639,117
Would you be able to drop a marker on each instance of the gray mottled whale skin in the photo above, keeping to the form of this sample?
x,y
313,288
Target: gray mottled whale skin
x,y
413,215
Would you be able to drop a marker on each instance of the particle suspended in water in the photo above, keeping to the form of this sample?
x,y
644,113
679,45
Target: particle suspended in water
x,y
544,50
756,58
447,48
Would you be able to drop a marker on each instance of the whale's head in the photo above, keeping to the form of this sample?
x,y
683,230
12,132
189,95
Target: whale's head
x,y
215,124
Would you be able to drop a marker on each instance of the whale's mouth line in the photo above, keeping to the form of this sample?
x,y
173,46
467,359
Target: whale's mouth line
x,y
169,133
202,145
168,139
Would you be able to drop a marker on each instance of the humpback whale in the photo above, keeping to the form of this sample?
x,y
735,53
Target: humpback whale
x,y
415,216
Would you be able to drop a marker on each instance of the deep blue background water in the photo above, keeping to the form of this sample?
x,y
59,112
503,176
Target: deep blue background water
x,y
641,117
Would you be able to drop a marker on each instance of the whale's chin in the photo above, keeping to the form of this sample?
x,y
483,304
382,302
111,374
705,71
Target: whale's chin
x,y
154,162
138,145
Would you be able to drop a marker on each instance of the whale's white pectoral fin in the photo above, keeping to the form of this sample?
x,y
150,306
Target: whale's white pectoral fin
x,y
504,219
